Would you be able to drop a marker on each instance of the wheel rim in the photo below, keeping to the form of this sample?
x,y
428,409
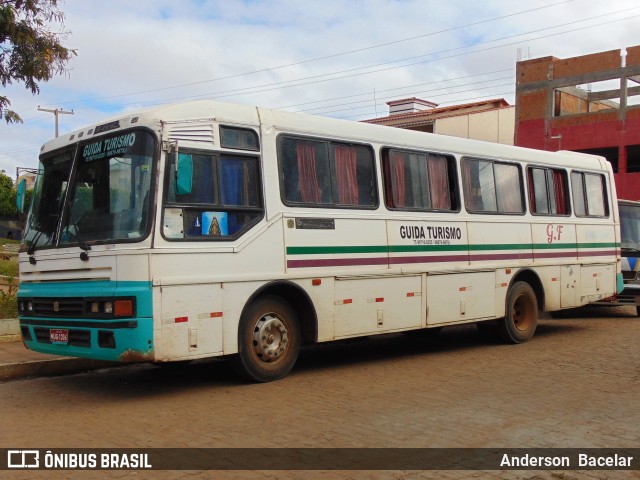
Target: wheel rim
x,y
522,313
270,338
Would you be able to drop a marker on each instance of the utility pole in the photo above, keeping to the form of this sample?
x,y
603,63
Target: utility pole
x,y
55,112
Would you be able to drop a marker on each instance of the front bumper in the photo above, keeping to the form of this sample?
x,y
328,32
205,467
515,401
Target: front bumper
x,y
113,339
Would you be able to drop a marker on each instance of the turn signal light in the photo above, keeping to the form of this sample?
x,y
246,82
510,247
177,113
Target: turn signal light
x,y
123,308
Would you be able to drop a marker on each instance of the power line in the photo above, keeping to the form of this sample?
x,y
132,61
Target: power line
x,y
348,52
398,88
282,84
430,97
320,78
430,92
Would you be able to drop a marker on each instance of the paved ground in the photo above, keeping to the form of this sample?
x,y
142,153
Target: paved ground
x,y
577,384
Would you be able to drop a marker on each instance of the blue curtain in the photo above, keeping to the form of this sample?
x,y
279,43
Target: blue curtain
x,y
232,181
203,180
232,185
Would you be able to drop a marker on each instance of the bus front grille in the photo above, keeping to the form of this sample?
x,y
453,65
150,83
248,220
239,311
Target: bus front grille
x,y
58,307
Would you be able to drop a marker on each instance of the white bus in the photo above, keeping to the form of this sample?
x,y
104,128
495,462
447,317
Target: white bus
x,y
208,229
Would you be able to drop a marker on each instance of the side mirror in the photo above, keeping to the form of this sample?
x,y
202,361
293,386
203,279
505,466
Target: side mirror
x,y
21,193
184,174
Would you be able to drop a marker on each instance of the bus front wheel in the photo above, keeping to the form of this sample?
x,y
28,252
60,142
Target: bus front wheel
x,y
521,315
268,340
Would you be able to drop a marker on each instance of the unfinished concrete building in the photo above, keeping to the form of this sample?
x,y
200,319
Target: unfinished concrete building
x,y
588,104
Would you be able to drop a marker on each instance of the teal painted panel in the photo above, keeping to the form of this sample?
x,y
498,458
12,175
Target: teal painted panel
x,y
140,290
131,343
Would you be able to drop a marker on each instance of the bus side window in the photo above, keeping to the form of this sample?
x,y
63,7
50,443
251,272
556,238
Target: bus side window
x,y
417,181
325,173
589,194
492,187
305,174
239,138
548,191
225,198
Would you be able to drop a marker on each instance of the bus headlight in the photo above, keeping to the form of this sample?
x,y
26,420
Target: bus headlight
x,y
25,307
110,307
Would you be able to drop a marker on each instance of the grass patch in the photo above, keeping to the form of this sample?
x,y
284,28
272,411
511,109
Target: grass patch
x,y
8,300
9,268
8,303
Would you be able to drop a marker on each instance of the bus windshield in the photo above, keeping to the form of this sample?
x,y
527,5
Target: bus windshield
x,y
630,226
98,192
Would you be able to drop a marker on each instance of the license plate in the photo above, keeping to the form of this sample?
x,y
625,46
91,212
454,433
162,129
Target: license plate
x,y
59,336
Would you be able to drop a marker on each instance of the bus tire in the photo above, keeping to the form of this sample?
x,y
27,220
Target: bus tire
x,y
268,340
521,314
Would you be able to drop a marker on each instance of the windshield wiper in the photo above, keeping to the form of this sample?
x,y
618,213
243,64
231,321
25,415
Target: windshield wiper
x,y
630,249
34,243
32,246
82,243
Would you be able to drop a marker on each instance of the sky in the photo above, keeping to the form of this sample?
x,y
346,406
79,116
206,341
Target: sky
x,y
336,58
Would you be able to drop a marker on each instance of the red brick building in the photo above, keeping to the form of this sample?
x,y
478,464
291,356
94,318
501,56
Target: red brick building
x,y
588,104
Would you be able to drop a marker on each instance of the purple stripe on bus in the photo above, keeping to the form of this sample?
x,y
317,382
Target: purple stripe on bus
x,y
337,262
345,262
429,259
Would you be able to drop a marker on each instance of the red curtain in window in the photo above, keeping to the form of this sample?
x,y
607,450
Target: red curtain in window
x,y
467,185
438,183
346,174
307,174
560,193
532,197
397,175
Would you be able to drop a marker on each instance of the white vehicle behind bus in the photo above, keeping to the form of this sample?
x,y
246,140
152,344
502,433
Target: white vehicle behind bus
x,y
209,229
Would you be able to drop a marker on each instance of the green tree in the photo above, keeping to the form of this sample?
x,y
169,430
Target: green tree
x,y
29,51
7,195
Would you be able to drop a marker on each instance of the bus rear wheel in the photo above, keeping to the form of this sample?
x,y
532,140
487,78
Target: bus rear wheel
x,y
268,340
521,315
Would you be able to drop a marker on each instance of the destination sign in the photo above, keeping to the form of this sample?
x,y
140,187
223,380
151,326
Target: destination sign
x,y
106,127
109,147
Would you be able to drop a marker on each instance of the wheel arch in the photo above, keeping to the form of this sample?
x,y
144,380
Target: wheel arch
x,y
531,277
299,300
